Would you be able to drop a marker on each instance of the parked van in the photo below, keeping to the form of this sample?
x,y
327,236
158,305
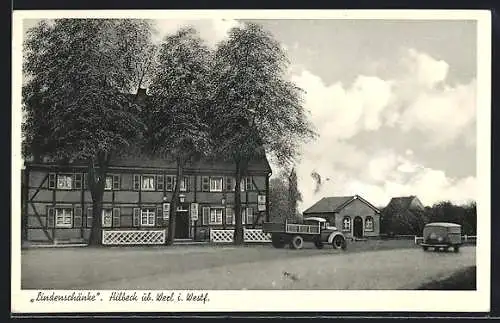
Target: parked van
x,y
442,236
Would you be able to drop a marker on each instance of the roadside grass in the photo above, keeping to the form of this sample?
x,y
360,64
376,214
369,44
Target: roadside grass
x,y
464,279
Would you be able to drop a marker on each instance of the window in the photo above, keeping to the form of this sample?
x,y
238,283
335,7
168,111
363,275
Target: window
x,y
369,223
346,224
107,218
216,216
148,183
172,180
230,215
64,217
215,184
64,182
148,217
108,185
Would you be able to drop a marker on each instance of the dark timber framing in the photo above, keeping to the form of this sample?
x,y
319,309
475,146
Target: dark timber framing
x,y
39,196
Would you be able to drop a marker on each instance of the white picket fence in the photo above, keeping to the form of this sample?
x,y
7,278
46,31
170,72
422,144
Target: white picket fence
x,y
465,239
249,235
133,237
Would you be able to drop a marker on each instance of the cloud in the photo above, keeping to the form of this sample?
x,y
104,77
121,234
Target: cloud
x,y
387,175
441,115
417,98
424,69
345,111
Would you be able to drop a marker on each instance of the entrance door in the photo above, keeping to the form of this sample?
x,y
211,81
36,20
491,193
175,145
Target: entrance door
x,y
358,227
182,223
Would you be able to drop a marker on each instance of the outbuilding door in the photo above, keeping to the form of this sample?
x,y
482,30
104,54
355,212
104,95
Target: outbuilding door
x,y
357,229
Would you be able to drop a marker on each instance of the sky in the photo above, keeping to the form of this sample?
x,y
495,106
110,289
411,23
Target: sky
x,y
393,103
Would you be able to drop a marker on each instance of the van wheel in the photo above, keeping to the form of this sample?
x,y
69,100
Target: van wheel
x,y
339,242
297,242
456,248
425,248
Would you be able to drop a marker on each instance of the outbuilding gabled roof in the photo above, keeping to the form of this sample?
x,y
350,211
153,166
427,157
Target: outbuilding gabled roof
x,y
402,203
335,204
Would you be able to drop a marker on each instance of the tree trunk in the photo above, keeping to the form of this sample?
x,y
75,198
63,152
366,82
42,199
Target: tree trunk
x,y
96,183
238,227
173,202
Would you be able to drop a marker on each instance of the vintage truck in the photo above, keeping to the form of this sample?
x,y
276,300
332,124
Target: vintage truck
x,y
314,229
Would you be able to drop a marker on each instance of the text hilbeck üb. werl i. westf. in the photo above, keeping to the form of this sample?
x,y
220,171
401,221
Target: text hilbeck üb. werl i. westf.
x,y
122,296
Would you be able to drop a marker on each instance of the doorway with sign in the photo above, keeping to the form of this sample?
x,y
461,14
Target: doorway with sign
x,y
182,222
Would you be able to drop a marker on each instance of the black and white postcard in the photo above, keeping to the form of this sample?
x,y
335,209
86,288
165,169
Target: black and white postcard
x,y
256,160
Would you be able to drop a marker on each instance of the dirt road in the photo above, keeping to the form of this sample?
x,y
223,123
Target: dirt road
x,y
238,268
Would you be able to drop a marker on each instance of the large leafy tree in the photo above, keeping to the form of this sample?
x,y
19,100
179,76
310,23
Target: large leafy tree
x,y
179,91
258,109
79,74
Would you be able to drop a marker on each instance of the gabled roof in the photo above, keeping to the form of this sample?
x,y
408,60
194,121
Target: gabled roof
x,y
335,204
401,203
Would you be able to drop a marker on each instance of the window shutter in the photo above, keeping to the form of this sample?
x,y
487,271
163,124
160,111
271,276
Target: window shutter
x,y
159,217
116,182
229,216
52,180
85,181
166,212
89,217
249,215
77,219
186,182
219,216
168,183
137,182
249,184
116,217
78,181
137,215
206,215
161,182
50,217
243,216
205,184
229,184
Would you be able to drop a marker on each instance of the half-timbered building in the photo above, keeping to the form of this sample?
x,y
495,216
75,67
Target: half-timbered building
x,y
57,203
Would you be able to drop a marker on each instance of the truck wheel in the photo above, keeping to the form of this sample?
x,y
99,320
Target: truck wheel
x,y
277,241
339,243
319,244
297,242
456,248
425,248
